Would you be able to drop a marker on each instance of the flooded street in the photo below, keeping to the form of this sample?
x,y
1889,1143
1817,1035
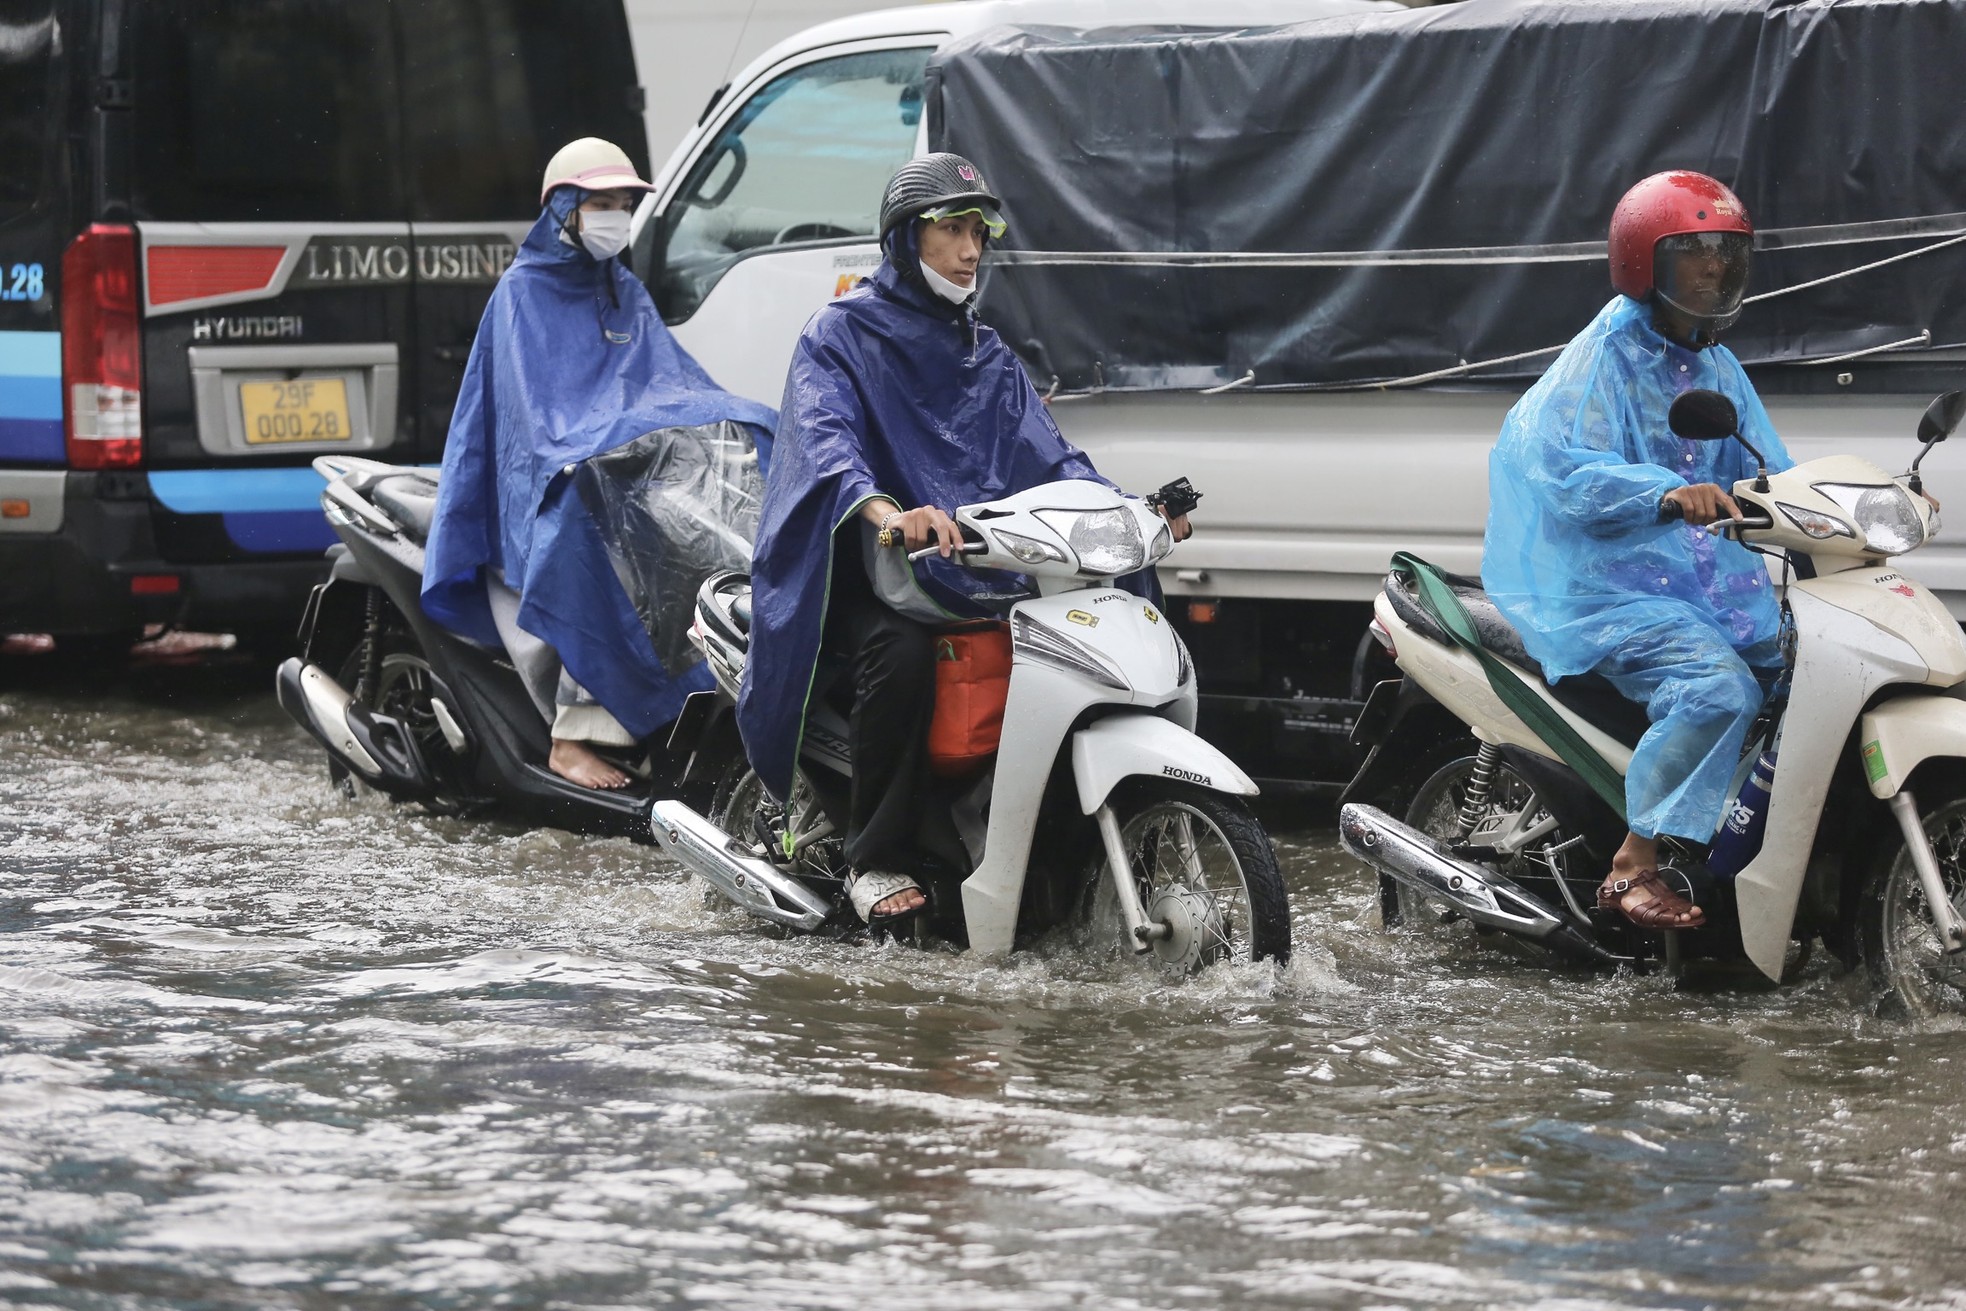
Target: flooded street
x,y
261,1046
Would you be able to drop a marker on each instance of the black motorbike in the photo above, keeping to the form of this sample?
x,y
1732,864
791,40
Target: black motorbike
x,y
422,714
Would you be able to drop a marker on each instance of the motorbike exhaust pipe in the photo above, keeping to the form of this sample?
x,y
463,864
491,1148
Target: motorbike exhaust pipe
x,y
1489,899
752,884
378,749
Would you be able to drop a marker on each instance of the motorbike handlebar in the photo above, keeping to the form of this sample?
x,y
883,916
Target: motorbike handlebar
x,y
967,548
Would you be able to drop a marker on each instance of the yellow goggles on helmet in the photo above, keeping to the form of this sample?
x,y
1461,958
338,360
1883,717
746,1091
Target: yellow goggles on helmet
x,y
992,221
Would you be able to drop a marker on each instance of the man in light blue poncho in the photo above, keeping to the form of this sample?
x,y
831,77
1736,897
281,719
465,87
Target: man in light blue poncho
x,y
1585,557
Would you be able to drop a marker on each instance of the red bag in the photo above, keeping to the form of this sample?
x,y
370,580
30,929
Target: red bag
x,y
972,683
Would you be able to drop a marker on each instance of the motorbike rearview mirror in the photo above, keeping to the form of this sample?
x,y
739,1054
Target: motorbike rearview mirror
x,y
1941,417
1934,426
1703,416
1707,416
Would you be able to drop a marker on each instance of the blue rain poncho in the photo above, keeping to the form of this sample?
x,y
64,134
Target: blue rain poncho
x,y
572,361
1576,557
892,392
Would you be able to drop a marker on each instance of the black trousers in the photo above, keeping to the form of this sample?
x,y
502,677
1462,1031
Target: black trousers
x,y
887,683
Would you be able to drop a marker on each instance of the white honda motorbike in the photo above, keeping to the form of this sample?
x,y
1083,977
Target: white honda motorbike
x,y
1102,811
1857,765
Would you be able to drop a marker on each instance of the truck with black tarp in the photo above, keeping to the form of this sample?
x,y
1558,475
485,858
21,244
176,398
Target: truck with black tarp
x,y
1310,264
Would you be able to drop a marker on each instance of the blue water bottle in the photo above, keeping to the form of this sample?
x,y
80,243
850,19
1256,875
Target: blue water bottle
x,y
1739,839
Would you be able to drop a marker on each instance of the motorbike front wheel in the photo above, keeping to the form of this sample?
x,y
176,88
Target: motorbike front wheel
x,y
1900,949
1204,867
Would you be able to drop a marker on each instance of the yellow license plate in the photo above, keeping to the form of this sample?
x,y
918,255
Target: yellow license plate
x,y
304,410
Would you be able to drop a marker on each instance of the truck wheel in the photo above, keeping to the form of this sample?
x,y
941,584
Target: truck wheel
x,y
1204,867
1895,940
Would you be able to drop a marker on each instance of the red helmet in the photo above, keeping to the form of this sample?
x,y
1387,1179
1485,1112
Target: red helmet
x,y
1710,221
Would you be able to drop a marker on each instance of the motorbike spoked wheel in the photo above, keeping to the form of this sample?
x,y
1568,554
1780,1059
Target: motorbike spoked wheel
x,y
743,808
1898,946
1204,867
404,686
1436,812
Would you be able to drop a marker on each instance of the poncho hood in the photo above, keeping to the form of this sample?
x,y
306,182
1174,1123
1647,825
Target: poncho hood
x,y
1575,554
892,392
570,361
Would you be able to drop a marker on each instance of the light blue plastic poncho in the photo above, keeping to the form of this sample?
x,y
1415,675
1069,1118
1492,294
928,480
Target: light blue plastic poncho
x,y
1575,551
1576,557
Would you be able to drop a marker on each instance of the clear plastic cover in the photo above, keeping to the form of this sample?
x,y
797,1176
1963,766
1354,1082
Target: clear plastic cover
x,y
1107,542
676,505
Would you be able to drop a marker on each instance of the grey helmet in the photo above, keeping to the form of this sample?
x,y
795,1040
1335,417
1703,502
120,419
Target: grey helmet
x,y
937,186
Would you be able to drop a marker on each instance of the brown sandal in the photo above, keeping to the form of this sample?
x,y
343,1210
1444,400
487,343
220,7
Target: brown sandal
x,y
1664,911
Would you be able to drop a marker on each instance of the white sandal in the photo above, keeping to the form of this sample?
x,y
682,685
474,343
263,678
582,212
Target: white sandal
x,y
870,888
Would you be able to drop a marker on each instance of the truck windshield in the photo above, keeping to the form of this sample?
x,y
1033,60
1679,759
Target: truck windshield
x,y
805,159
29,126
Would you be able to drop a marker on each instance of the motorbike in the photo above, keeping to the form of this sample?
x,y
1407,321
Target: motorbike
x,y
1852,781
413,710
1101,812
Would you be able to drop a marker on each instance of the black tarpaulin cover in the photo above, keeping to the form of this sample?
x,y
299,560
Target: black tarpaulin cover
x,y
1385,194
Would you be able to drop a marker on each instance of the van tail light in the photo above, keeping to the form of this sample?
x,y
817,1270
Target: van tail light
x,y
101,358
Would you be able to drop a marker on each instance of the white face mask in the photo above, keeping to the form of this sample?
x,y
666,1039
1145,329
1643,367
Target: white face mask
x,y
605,232
953,292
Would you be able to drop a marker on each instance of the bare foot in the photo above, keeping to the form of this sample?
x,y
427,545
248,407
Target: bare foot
x,y
577,763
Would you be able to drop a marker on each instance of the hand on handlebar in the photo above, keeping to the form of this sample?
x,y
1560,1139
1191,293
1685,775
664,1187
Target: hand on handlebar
x,y
1699,504
1183,530
927,526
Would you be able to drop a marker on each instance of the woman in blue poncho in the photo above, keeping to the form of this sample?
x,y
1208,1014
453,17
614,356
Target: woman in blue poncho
x,y
571,361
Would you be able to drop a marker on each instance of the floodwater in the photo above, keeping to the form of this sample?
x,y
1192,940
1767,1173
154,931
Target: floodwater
x,y
261,1046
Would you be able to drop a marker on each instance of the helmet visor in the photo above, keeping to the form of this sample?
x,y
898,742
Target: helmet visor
x,y
992,221
1704,274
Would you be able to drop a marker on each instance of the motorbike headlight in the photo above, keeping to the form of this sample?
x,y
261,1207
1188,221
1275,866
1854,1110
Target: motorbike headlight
x,y
1029,549
1883,513
1184,667
1815,523
1107,542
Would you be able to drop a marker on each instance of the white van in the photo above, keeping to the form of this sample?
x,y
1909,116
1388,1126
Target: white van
x,y
767,210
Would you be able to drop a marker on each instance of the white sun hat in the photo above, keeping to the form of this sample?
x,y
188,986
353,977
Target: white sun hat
x,y
592,164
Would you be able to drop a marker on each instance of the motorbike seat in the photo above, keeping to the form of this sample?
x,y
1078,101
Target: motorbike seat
x,y
1592,696
409,499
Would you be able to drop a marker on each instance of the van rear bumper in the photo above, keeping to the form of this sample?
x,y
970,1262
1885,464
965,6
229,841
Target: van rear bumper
x,y
82,577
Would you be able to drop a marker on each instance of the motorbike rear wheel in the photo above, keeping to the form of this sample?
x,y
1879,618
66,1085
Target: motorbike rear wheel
x,y
1203,865
405,683
1895,938
1436,812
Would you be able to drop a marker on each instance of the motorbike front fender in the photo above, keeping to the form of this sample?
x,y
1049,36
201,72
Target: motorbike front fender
x,y
1127,746
1905,732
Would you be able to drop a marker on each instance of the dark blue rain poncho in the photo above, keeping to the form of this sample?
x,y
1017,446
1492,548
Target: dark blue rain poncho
x,y
571,360
892,392
1576,557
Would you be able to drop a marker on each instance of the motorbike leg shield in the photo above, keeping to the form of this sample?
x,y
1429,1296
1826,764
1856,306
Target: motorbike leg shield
x,y
1124,746
1485,897
377,749
751,884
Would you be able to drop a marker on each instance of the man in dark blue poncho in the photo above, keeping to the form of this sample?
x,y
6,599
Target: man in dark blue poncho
x,y
1597,549
899,407
571,362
